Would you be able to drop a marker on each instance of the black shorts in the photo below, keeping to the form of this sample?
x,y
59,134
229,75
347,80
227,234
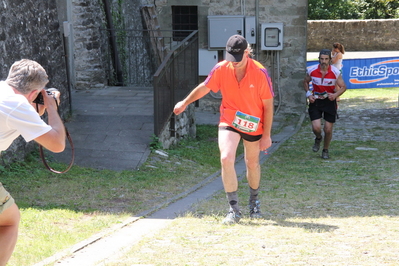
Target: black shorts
x,y
323,108
245,136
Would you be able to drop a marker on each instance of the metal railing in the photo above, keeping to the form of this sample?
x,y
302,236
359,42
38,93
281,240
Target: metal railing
x,y
134,55
141,53
174,79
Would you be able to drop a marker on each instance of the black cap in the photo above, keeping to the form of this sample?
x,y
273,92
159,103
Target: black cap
x,y
325,52
235,48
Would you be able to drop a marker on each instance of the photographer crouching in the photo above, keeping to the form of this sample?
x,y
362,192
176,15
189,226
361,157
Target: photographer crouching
x,y
20,116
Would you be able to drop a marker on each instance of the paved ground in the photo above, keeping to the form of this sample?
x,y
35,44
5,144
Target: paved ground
x,y
111,128
367,123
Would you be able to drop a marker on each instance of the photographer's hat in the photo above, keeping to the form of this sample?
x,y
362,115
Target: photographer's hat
x,y
235,48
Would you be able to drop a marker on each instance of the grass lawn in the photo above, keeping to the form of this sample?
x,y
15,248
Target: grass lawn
x,y
336,212
341,211
59,211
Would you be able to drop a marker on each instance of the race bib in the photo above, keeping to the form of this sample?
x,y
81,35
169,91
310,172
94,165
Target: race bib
x,y
246,123
320,95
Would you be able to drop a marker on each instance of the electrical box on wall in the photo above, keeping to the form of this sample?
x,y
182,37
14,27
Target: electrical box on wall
x,y
272,36
250,30
221,28
206,61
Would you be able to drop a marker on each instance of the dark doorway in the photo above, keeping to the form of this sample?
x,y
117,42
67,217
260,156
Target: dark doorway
x,y
184,21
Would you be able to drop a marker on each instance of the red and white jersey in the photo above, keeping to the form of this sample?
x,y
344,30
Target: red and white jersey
x,y
326,83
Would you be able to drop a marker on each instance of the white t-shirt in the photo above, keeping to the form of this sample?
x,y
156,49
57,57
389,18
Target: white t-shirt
x,y
18,117
337,64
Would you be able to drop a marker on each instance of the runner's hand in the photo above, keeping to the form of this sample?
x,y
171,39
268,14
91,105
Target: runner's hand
x,y
179,108
332,96
265,143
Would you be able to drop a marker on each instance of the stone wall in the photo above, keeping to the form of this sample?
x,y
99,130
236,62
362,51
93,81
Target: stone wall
x,y
31,29
355,35
90,56
184,127
87,19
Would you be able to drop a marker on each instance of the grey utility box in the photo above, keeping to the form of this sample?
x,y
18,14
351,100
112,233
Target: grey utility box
x,y
272,36
250,30
207,60
221,28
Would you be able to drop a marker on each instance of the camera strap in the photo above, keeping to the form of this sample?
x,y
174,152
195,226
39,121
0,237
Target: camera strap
x,y
68,136
43,157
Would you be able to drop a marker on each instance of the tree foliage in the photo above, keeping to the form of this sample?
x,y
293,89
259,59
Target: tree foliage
x,y
353,9
378,9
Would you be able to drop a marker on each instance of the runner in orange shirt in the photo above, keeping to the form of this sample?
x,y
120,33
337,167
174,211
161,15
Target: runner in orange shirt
x,y
246,112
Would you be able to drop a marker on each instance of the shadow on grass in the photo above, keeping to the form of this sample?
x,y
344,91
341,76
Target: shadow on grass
x,y
310,227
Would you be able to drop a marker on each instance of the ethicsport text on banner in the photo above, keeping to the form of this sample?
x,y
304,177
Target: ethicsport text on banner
x,y
369,72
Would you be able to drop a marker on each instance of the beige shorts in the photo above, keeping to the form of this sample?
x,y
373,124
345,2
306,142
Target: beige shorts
x,y
5,199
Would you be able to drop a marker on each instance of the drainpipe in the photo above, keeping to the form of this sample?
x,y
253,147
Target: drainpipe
x,y
258,39
65,42
112,40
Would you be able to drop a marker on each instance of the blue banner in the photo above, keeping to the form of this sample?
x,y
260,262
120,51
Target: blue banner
x,y
369,72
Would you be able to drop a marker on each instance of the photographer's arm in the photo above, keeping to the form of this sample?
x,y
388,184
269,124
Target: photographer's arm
x,y
54,140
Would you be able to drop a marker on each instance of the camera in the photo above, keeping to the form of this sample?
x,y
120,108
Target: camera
x,y
39,99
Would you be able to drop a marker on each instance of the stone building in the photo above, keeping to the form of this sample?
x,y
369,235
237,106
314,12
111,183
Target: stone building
x,y
286,66
65,36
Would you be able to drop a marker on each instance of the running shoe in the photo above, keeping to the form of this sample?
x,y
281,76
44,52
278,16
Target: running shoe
x,y
232,217
316,145
254,209
324,154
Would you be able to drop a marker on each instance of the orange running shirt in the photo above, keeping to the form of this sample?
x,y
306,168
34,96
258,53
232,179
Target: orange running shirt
x,y
245,96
